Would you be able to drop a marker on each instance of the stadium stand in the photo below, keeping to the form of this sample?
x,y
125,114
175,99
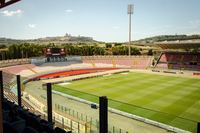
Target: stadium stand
x,y
18,68
19,120
184,44
6,63
179,60
72,72
138,62
13,98
24,119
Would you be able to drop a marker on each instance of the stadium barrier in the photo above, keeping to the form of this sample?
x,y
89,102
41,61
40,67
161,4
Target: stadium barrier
x,y
196,73
169,72
38,61
58,119
84,118
42,60
94,123
68,117
13,62
131,111
74,58
154,70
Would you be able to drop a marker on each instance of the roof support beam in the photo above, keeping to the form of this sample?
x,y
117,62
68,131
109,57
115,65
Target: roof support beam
x,y
3,3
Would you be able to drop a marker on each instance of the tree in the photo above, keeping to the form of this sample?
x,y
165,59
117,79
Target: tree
x,y
135,51
108,45
150,52
2,46
195,50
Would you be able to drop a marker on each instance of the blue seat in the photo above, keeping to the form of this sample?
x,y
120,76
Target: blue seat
x,y
19,124
59,130
30,130
8,128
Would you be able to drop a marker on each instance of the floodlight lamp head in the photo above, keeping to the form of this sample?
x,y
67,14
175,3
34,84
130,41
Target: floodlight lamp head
x,y
130,9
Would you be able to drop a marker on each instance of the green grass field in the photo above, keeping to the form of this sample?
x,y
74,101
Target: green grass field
x,y
171,100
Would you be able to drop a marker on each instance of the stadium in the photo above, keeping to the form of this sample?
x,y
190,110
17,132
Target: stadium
x,y
160,98
63,93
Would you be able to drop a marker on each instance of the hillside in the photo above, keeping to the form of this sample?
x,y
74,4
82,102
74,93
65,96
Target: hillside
x,y
162,38
57,40
7,41
82,39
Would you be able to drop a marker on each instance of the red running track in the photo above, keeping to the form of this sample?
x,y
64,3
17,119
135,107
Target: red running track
x,y
73,72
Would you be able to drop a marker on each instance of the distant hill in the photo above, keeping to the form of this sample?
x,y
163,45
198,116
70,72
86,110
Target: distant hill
x,y
57,40
162,38
7,41
67,38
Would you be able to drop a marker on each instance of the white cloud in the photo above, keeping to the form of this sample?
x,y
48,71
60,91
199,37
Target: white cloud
x,y
115,27
68,11
8,13
31,26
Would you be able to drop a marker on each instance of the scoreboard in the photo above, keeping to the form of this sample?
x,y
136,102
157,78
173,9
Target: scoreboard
x,y
55,52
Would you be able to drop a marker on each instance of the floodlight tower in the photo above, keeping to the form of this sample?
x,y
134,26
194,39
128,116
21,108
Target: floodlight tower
x,y
130,12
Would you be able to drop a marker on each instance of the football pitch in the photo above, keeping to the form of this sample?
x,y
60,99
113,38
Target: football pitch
x,y
171,100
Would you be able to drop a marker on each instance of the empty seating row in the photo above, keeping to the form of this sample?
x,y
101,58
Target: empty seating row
x,y
18,68
175,60
19,120
140,62
5,63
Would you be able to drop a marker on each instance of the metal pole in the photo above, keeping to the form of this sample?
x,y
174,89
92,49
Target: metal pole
x,y
1,102
78,128
129,48
103,114
1,81
49,102
19,90
97,125
130,12
71,124
85,127
198,127
63,123
4,56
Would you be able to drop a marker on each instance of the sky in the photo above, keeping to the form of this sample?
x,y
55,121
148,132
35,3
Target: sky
x,y
104,20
